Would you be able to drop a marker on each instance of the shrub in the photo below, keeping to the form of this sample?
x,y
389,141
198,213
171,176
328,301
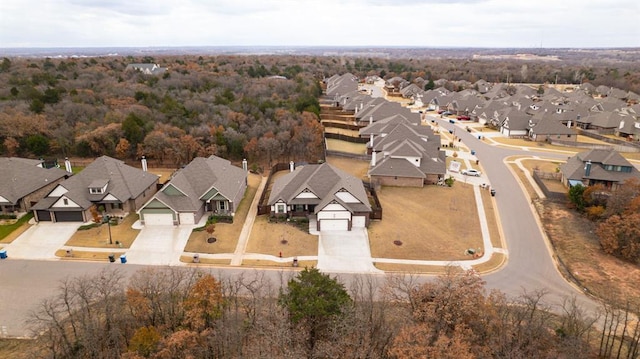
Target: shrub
x,y
8,216
89,226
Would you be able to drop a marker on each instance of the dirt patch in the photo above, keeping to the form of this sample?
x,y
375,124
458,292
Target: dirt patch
x,y
433,223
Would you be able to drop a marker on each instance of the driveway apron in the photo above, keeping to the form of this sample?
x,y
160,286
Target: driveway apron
x,y
159,245
41,241
345,252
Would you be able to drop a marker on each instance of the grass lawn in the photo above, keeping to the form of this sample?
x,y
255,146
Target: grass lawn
x,y
226,234
410,268
354,167
98,237
88,255
9,232
267,238
273,265
344,146
433,223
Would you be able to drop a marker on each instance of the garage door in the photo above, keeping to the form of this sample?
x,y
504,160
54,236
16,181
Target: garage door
x,y
359,221
74,216
334,225
44,216
187,218
158,219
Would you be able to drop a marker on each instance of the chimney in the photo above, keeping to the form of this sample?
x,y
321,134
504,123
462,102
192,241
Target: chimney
x,y
244,165
373,159
144,164
361,105
67,165
291,166
371,119
587,168
569,124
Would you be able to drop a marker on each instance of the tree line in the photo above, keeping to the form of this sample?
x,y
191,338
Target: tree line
x,y
190,313
259,107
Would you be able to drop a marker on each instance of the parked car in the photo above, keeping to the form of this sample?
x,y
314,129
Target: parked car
x,y
447,113
440,112
463,118
471,172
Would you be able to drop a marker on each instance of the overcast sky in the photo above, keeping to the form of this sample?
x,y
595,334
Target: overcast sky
x,y
420,23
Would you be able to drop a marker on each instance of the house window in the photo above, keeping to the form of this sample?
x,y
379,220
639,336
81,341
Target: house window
x,y
299,208
65,201
281,208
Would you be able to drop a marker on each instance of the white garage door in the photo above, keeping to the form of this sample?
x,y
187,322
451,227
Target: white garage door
x,y
359,221
334,225
187,218
158,219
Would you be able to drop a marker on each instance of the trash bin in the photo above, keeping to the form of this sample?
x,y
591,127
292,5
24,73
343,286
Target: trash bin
x,y
112,258
69,252
123,259
196,258
295,262
3,254
493,192
473,152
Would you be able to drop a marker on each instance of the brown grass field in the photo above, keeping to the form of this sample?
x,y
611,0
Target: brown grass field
x,y
433,223
99,237
356,168
344,146
267,238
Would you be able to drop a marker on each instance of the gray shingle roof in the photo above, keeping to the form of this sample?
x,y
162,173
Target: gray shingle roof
x,y
124,182
574,168
197,178
20,177
324,181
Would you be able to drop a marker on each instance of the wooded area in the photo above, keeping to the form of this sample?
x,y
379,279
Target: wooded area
x,y
182,313
263,108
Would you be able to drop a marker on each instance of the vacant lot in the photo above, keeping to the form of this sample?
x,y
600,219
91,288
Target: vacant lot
x,y
578,248
431,223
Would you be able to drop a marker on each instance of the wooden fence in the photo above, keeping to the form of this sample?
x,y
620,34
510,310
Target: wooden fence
x,y
338,136
539,177
263,205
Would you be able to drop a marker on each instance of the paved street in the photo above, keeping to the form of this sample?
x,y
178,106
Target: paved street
x,y
530,265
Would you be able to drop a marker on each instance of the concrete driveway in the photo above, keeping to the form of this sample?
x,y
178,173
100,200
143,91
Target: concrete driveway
x,y
159,245
41,241
345,252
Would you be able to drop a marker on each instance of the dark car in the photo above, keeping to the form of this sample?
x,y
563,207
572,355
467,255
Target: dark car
x,y
463,118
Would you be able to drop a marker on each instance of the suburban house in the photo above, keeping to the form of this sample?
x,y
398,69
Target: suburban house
x,y
403,154
23,182
515,123
206,185
606,167
147,69
107,183
549,128
336,199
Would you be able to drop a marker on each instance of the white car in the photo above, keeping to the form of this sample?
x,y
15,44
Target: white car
x,y
471,172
